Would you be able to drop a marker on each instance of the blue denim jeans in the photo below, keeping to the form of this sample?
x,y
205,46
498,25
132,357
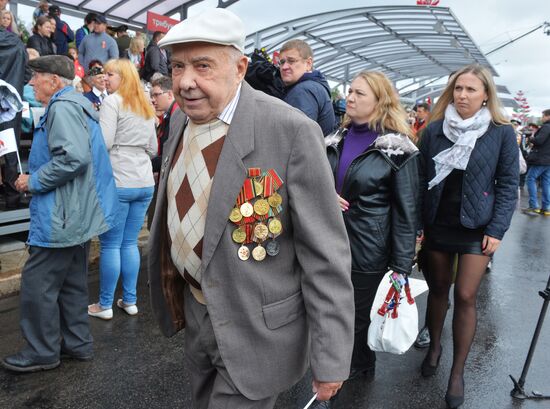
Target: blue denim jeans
x,y
119,253
536,171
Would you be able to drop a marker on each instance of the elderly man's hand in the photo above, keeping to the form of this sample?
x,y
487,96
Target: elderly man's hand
x,y
22,183
326,390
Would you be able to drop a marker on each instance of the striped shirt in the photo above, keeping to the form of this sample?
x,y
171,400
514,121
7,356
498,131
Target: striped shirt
x,y
227,114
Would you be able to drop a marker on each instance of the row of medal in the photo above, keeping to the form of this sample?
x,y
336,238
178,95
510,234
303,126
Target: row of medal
x,y
256,215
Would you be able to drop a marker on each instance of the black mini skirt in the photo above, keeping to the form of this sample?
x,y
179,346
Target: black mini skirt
x,y
453,239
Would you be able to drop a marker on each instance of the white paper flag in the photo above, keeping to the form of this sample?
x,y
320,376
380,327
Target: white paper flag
x,y
7,142
26,113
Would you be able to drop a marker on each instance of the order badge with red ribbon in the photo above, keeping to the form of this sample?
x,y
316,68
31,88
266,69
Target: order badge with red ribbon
x,y
256,214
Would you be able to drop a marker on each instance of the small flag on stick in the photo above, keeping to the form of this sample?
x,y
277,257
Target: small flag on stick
x,y
8,144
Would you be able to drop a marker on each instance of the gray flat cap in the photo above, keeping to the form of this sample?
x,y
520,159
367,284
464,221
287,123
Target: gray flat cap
x,y
54,64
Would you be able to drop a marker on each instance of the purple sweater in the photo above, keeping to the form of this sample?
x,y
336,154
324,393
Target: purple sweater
x,y
358,139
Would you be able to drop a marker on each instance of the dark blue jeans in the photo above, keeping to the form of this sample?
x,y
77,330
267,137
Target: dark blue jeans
x,y
536,171
119,253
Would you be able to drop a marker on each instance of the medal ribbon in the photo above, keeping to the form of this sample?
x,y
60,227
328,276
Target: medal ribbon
x,y
268,186
254,172
249,233
277,181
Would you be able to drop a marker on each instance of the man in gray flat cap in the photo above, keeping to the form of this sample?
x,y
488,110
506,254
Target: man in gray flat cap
x,y
248,249
73,199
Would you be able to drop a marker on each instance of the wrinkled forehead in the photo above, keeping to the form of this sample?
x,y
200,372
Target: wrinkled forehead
x,y
185,52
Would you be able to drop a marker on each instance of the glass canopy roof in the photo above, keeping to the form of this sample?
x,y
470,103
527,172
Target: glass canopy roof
x,y
405,42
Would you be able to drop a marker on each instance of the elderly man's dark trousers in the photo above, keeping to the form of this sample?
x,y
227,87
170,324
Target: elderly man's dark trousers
x,y
54,299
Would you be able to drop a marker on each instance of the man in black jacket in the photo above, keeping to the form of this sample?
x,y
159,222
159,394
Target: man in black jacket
x,y
539,167
13,60
156,59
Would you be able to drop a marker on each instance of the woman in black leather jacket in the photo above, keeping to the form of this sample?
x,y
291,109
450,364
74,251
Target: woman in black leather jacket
x,y
376,168
471,165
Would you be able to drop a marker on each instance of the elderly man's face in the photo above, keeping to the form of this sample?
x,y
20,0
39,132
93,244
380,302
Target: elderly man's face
x,y
205,77
98,81
43,85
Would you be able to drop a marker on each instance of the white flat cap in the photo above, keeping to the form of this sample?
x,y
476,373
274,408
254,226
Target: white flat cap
x,y
218,26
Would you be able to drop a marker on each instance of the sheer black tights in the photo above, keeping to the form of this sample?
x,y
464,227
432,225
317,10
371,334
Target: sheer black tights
x,y
471,269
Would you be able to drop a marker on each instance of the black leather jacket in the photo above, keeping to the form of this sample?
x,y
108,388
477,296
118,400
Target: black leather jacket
x,y
382,186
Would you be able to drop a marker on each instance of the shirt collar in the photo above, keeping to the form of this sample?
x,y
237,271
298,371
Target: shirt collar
x,y
227,114
98,93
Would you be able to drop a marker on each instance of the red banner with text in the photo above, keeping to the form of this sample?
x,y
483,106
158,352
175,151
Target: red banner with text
x,y
158,22
427,2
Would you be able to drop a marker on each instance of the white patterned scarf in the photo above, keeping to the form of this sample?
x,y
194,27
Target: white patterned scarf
x,y
464,134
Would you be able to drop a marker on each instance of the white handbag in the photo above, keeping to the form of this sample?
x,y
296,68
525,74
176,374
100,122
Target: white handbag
x,y
394,324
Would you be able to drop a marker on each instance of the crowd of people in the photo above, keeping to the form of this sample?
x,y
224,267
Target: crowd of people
x,y
271,223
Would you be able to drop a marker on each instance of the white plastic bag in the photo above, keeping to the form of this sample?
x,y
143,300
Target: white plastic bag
x,y
393,330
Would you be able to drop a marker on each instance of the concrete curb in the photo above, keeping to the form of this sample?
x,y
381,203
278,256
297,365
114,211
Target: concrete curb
x,y
12,263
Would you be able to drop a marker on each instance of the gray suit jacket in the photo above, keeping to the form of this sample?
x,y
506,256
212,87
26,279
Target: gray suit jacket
x,y
271,318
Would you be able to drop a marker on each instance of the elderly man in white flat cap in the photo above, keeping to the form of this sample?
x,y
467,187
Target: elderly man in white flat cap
x,y
248,249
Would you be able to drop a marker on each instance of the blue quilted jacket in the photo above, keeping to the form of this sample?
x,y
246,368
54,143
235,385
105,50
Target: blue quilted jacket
x,y
490,183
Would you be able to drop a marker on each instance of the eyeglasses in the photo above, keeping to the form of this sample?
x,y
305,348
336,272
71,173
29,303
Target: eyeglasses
x,y
290,61
157,94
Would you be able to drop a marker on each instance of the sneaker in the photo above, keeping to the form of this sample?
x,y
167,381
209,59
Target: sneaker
x,y
131,309
545,212
95,310
531,211
423,338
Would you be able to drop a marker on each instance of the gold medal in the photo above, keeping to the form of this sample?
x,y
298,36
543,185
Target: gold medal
x,y
258,253
275,226
247,210
258,187
238,235
261,207
235,215
261,231
244,253
275,200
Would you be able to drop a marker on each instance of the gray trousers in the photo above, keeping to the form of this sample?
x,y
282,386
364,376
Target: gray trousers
x,y
54,299
212,387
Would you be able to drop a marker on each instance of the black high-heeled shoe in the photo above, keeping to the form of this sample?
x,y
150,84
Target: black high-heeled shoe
x,y
428,370
454,401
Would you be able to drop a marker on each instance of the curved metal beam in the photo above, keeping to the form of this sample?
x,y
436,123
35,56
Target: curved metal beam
x,y
405,42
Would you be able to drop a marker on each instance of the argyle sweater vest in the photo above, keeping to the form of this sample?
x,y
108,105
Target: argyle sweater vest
x,y
188,192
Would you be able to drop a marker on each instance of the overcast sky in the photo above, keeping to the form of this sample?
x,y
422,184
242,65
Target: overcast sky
x,y
522,65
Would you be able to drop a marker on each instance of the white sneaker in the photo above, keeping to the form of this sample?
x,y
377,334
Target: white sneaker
x,y
130,309
105,314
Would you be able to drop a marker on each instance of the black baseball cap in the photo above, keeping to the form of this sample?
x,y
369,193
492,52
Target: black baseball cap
x,y
100,19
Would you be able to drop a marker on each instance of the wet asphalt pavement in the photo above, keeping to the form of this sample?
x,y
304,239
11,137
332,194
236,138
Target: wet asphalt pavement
x,y
136,367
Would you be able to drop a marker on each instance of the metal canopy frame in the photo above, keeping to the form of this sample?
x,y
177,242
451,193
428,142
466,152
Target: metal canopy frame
x,y
411,43
133,13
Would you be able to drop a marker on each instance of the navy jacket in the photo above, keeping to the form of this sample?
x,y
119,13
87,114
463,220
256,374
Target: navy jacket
x,y
63,36
311,95
490,183
94,99
540,154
